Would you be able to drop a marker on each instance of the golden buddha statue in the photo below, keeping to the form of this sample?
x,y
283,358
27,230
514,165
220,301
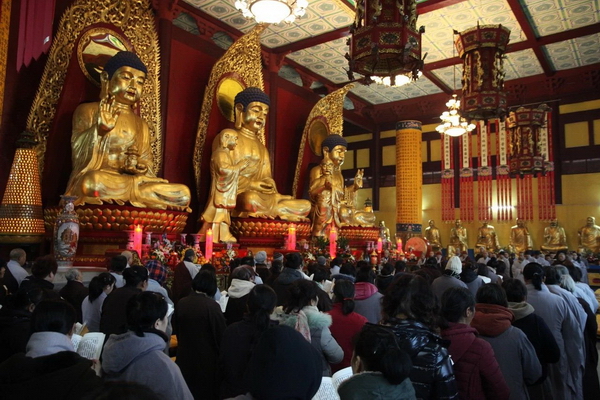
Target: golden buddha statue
x,y
486,237
334,148
324,199
458,238
384,232
555,238
589,236
110,145
432,234
520,239
257,194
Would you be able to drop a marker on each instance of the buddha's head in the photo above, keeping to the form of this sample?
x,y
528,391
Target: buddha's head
x,y
553,223
520,223
251,109
431,223
229,139
591,221
335,146
326,166
123,78
458,223
485,223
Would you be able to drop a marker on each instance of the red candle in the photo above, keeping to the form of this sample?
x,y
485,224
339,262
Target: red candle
x,y
332,242
137,240
379,245
291,243
208,249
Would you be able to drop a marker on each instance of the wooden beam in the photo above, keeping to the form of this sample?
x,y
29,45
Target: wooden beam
x,y
313,41
438,82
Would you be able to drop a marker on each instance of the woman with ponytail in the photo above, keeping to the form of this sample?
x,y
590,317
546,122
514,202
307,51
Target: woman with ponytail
x,y
91,308
566,375
346,323
380,368
138,354
240,338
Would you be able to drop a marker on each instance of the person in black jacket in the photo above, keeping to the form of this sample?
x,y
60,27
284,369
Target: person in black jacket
x,y
410,308
74,291
42,275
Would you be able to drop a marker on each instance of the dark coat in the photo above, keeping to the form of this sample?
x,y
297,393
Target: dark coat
x,y
32,282
199,325
74,292
61,376
9,281
476,370
282,283
14,331
431,375
236,308
114,314
182,282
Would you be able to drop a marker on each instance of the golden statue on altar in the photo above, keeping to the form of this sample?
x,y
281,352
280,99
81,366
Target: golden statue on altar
x,y
343,199
555,238
384,232
432,234
487,238
589,236
110,144
458,239
256,193
325,199
520,239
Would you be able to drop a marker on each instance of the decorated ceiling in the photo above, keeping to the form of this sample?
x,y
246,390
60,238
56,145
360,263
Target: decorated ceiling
x,y
546,36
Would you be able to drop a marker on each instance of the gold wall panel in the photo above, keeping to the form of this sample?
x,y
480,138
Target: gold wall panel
x,y
577,134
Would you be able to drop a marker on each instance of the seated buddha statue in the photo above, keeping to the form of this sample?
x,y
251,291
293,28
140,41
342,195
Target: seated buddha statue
x,y
589,236
257,194
345,210
111,149
486,237
520,239
555,238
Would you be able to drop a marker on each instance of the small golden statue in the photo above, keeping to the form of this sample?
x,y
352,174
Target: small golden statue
x,y
224,186
458,238
257,194
520,239
432,234
486,237
334,149
384,232
110,145
555,238
325,200
589,236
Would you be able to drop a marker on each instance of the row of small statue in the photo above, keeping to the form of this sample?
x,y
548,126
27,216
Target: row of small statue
x,y
111,155
555,238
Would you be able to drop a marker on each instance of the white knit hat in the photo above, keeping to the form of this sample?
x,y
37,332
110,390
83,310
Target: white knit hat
x,y
455,265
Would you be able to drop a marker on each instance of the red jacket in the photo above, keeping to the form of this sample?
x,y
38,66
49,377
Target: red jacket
x,y
343,329
475,367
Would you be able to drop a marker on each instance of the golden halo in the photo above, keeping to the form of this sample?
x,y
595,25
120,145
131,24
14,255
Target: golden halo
x,y
96,46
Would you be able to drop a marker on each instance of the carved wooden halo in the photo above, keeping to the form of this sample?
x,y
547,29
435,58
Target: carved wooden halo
x,y
228,87
318,130
96,46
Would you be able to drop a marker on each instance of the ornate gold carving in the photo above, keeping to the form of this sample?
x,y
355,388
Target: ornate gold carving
x,y
266,228
118,218
136,19
328,113
4,32
243,60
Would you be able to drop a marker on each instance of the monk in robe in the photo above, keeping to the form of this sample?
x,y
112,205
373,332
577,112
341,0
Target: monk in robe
x,y
111,149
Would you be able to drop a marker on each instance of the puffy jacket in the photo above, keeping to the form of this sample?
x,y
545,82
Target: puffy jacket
x,y
432,375
477,372
374,386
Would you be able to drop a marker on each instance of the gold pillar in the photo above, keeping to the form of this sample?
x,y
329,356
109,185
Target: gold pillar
x,y
409,179
21,216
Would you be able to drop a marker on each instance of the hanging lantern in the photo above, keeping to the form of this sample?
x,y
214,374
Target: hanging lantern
x,y
385,44
482,49
525,127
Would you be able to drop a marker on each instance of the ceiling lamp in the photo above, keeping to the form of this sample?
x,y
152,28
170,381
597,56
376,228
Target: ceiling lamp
x,y
482,50
272,11
452,123
385,44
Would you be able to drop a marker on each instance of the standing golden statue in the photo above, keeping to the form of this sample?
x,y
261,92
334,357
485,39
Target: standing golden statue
x,y
343,198
458,239
486,237
520,239
325,200
110,145
555,238
432,234
589,236
257,194
384,232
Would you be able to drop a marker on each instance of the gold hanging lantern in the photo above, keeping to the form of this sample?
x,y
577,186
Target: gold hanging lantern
x,y
385,44
482,50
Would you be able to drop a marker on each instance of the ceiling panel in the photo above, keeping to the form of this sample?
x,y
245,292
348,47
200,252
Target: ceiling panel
x,y
575,53
553,16
378,94
521,64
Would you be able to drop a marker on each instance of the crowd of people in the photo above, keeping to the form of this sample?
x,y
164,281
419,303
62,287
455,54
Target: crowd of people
x,y
495,327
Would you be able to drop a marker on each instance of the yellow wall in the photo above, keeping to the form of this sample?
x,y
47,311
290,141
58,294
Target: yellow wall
x,y
580,193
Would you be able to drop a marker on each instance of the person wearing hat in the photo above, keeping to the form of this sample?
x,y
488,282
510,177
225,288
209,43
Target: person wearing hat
x,y
111,145
450,278
260,264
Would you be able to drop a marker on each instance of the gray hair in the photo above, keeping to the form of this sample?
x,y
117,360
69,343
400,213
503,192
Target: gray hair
x,y
17,253
128,255
72,274
244,273
566,282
